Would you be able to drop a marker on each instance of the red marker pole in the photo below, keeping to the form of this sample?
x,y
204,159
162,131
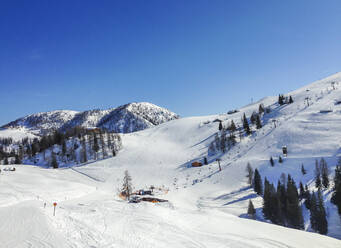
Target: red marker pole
x,y
54,208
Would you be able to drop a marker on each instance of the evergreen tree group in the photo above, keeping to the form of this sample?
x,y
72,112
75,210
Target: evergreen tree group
x,y
284,100
321,174
246,125
318,218
281,205
336,197
74,145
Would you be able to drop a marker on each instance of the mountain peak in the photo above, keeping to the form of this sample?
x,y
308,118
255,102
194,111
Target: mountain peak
x,y
130,117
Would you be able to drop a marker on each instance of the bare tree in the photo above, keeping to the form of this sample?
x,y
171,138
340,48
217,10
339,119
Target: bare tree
x,y
127,186
249,175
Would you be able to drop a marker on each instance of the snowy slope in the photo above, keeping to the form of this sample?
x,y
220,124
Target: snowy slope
x,y
17,134
162,155
205,205
89,216
127,118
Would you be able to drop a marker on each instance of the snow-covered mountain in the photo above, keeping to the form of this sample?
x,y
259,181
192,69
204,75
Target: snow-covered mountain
x,y
207,207
127,118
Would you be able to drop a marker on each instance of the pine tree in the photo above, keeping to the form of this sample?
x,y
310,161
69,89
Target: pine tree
x,y
257,183
246,125
302,191
318,182
266,200
272,208
324,173
232,127
317,172
272,163
282,197
54,162
84,157
318,218
258,122
322,220
261,109
291,100
251,210
127,186
95,145
303,170
253,117
223,140
336,197
280,160
249,174
220,126
307,201
313,212
280,99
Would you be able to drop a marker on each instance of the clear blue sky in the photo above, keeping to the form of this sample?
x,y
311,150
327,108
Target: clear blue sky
x,y
193,57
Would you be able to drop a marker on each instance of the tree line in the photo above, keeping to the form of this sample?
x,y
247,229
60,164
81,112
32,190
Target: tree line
x,y
75,145
226,138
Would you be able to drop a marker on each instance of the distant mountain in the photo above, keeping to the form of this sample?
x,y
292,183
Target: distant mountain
x,y
123,119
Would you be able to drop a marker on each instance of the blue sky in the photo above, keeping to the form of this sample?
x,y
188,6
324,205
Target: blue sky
x,y
193,57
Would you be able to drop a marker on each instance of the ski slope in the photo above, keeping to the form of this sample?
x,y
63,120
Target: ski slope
x,y
206,206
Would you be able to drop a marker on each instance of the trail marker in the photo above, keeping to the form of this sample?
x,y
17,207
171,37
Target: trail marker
x,y
54,208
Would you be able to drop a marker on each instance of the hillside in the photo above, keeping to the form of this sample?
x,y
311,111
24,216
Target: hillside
x,y
127,118
207,207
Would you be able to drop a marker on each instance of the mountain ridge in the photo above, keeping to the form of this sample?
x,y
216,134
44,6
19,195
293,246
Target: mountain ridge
x,y
131,117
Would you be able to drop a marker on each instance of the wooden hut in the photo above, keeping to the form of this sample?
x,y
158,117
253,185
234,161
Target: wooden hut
x,y
196,164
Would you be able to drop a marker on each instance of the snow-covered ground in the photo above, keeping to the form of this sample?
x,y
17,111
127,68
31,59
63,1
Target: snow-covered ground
x,y
16,134
206,207
89,216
